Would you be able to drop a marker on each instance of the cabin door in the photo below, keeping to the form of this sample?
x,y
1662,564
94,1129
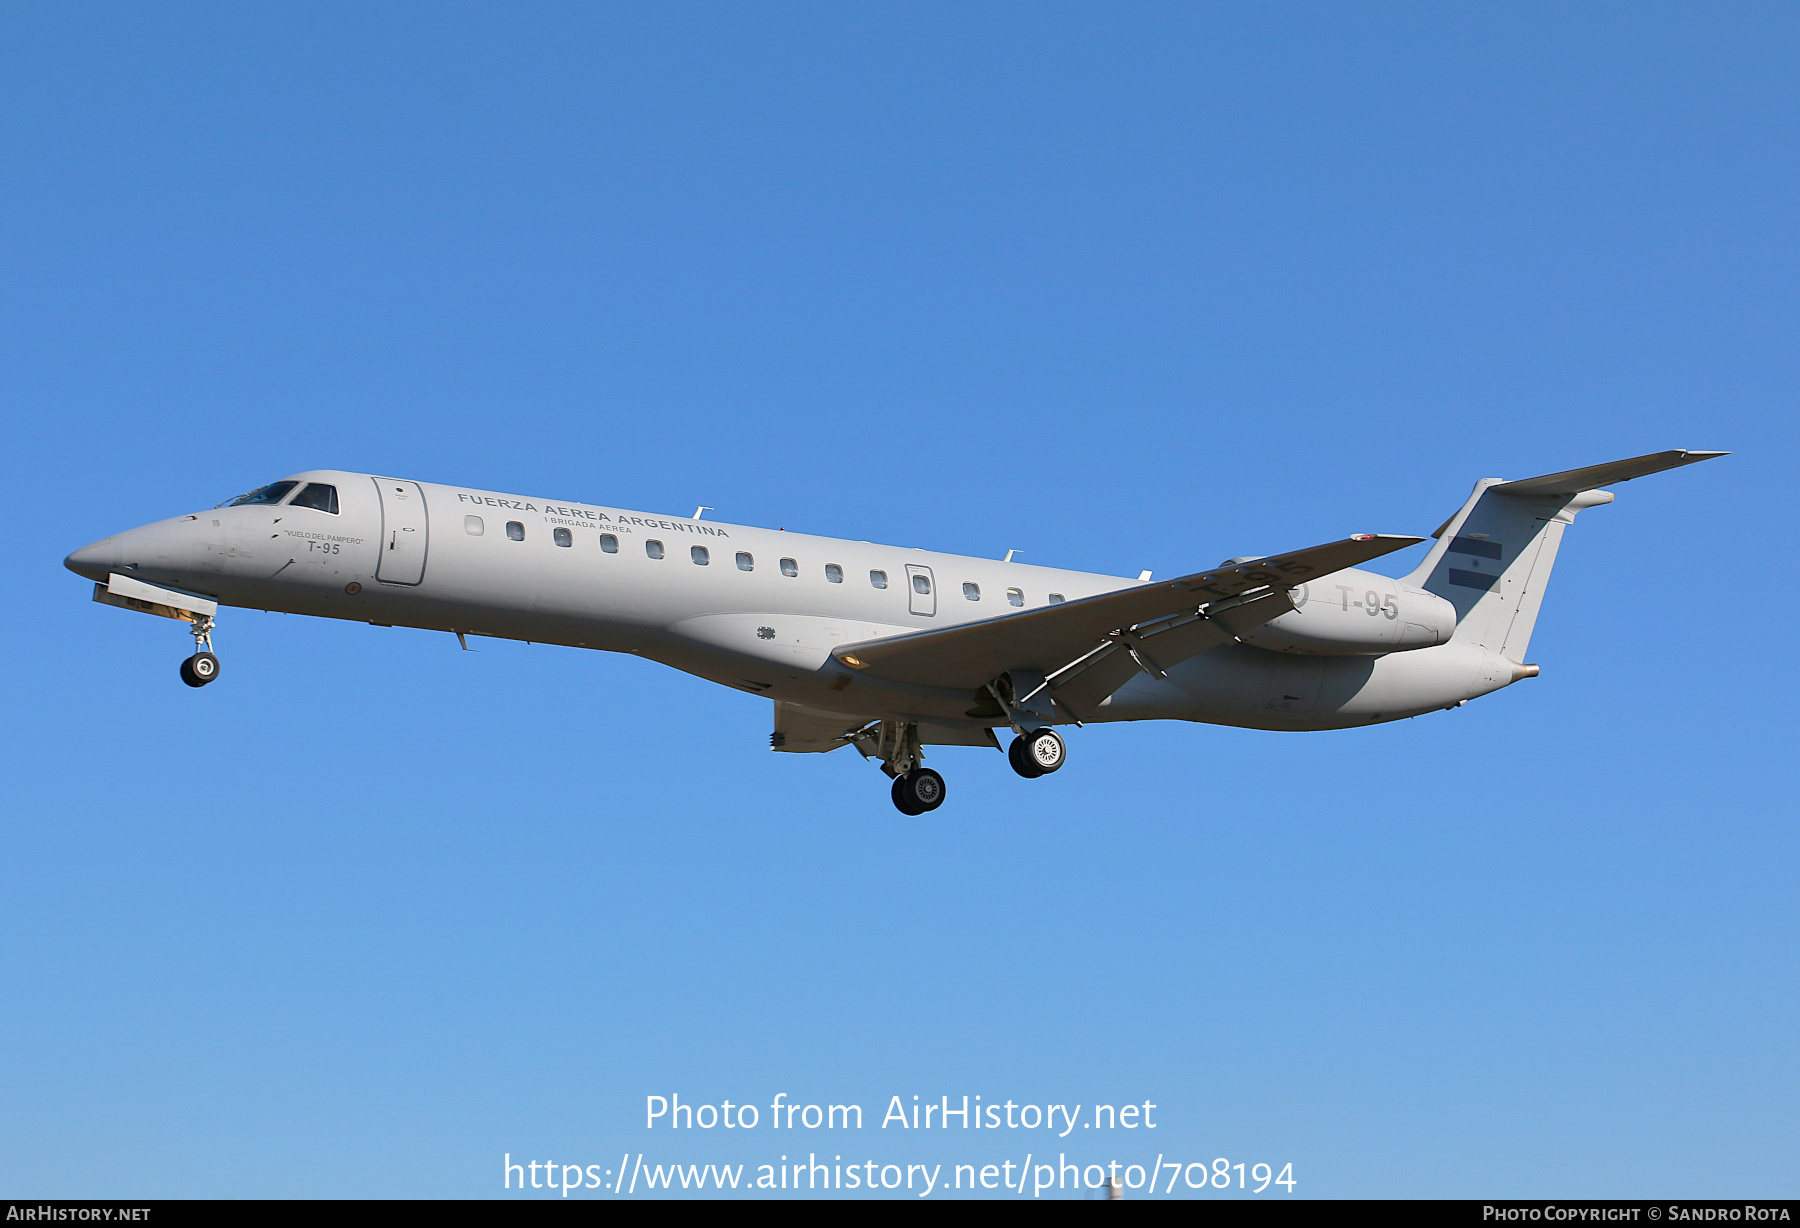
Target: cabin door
x,y
403,531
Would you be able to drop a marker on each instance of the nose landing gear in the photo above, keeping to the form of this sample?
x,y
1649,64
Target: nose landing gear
x,y
200,669
203,666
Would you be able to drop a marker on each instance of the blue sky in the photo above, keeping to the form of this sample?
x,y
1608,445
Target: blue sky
x,y
1121,287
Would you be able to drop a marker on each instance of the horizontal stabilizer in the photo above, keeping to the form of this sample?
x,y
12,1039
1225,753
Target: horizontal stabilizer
x,y
1574,481
1493,557
1046,639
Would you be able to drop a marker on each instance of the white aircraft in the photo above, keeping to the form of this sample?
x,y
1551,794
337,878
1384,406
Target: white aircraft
x,y
884,648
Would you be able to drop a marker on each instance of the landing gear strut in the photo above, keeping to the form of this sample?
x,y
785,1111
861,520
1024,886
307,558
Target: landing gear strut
x,y
1025,699
203,666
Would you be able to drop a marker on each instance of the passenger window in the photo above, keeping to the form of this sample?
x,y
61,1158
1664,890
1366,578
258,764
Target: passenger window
x,y
879,579
745,562
609,543
699,555
834,573
319,497
1056,598
562,537
473,527
653,548
789,567
1015,596
265,494
515,530
971,591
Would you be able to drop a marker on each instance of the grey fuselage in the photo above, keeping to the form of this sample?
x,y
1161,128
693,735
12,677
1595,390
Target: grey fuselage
x,y
442,558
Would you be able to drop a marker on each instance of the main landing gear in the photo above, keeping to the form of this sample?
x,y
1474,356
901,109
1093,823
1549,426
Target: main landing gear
x,y
917,789
1037,752
203,666
1025,699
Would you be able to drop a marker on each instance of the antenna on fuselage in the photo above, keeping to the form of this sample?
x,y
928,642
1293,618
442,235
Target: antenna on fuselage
x,y
1009,555
703,508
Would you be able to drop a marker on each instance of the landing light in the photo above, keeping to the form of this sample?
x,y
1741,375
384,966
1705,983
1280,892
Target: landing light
x,y
851,661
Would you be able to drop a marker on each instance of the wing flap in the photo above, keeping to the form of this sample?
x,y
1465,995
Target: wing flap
x,y
1158,647
1082,686
1051,639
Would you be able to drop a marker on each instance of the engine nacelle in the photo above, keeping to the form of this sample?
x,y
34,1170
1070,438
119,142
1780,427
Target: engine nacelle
x,y
1357,613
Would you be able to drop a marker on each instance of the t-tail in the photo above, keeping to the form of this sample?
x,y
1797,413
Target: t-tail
x,y
1493,558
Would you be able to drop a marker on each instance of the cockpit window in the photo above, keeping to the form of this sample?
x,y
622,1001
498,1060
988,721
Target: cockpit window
x,y
318,496
275,492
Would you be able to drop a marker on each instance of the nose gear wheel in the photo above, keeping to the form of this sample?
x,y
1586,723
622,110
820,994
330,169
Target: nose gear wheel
x,y
200,669
203,666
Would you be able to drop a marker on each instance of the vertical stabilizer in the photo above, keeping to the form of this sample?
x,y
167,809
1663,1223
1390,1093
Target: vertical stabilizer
x,y
1493,558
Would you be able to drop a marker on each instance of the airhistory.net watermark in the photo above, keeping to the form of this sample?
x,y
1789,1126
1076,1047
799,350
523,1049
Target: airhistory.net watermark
x,y
668,1112
1027,1171
1035,1176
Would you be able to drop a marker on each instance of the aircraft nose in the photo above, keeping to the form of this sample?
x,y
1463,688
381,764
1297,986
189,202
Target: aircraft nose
x,y
95,561
163,551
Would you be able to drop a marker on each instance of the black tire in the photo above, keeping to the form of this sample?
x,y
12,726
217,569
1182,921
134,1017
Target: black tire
x,y
200,669
1045,751
1020,759
902,802
919,791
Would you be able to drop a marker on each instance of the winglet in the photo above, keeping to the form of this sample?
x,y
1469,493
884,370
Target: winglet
x,y
1574,481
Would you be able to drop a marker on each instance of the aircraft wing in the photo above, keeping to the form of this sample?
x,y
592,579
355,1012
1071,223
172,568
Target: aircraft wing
x,y
1054,638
